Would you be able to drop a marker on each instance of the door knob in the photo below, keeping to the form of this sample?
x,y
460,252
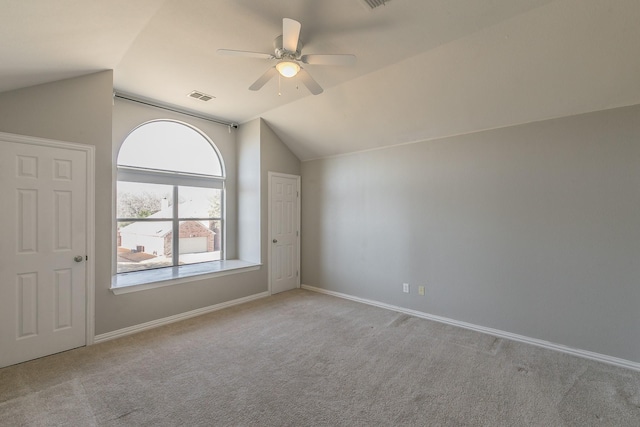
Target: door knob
x,y
275,240
78,258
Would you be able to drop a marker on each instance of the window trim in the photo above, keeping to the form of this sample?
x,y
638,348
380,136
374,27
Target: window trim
x,y
176,220
142,280
223,169
129,173
142,175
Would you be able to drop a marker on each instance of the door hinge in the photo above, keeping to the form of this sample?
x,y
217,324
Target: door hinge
x,y
296,273
297,233
86,257
297,194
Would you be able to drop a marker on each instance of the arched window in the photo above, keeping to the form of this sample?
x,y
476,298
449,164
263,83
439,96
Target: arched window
x,y
170,198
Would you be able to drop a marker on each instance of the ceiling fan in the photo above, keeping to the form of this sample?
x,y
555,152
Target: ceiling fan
x,y
288,49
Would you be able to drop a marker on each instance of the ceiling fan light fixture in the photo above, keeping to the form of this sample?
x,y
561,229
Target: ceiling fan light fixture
x,y
287,68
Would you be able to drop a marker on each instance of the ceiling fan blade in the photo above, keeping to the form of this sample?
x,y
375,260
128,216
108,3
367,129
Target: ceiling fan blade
x,y
308,81
290,34
246,54
329,59
257,85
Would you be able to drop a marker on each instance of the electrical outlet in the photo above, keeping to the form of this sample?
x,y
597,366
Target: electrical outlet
x,y
420,290
405,288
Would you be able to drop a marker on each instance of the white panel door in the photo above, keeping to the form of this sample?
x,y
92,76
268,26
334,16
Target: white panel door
x,y
43,234
284,232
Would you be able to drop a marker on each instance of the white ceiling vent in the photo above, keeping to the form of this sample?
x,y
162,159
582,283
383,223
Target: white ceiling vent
x,y
201,96
375,3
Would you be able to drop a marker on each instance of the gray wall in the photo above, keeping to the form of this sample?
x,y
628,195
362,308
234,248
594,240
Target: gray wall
x,y
74,110
261,152
115,312
531,229
81,110
274,157
248,142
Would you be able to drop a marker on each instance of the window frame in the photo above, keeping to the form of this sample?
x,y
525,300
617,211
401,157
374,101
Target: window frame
x,y
175,179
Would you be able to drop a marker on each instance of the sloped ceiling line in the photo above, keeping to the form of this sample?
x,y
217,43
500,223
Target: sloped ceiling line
x,y
425,69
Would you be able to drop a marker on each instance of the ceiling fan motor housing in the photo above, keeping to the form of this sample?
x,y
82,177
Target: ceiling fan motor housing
x,y
282,53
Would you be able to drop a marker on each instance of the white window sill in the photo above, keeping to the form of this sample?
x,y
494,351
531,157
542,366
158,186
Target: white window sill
x,y
150,279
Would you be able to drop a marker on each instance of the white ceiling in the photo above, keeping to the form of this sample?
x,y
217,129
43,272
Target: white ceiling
x,y
425,69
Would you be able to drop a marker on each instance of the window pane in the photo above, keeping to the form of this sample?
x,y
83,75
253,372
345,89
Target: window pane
x,y
143,245
198,202
200,241
139,200
169,146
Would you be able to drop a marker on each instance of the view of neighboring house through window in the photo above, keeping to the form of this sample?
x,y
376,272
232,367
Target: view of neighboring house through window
x,y
170,198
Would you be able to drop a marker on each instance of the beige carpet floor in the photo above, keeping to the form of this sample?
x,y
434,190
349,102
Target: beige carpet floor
x,y
307,359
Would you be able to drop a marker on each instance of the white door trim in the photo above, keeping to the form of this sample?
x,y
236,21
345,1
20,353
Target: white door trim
x,y
269,234
89,152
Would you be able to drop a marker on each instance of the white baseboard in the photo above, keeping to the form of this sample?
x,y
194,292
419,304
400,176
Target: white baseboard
x,y
495,332
176,318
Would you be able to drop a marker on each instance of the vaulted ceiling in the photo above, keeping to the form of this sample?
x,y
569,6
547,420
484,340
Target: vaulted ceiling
x,y
425,68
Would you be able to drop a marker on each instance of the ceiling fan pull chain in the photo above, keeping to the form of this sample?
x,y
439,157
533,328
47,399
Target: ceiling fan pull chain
x,y
279,85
